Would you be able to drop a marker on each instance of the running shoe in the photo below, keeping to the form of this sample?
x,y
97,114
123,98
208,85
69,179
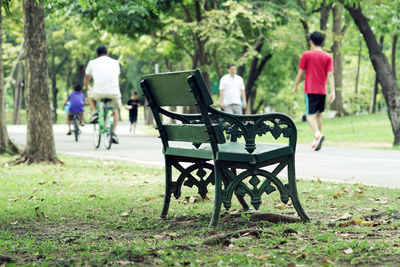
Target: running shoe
x,y
317,142
115,139
94,118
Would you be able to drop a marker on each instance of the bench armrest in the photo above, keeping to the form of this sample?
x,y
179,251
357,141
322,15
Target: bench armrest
x,y
249,126
184,118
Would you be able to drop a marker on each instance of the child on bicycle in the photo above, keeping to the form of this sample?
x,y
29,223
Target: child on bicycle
x,y
77,100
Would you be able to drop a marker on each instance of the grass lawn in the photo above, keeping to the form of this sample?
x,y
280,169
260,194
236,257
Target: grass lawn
x,y
363,130
96,213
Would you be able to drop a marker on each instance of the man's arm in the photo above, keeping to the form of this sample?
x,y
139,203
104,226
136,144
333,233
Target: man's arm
x,y
243,93
331,82
221,99
86,81
299,77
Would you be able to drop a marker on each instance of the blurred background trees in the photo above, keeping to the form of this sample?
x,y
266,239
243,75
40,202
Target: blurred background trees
x,y
265,39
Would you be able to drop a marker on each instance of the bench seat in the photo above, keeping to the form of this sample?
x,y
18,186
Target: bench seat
x,y
234,151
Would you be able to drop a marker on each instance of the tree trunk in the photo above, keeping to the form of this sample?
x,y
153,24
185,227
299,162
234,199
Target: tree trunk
x,y
304,22
54,91
40,146
337,105
79,75
372,107
5,143
255,71
18,95
325,10
394,45
381,65
358,69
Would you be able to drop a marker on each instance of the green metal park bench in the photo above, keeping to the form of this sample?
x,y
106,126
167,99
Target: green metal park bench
x,y
234,167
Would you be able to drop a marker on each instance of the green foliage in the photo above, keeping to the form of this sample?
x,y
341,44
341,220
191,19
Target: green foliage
x,y
6,5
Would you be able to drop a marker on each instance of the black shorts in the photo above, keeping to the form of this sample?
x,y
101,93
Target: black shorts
x,y
315,103
71,115
133,118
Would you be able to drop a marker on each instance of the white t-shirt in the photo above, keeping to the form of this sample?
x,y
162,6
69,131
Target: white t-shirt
x,y
105,72
232,87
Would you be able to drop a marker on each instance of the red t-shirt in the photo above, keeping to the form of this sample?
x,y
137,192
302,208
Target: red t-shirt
x,y
316,64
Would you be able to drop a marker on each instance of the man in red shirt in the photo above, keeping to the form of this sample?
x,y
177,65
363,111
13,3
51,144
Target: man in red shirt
x,y
318,67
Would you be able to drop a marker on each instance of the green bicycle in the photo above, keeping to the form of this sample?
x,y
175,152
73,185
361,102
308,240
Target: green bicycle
x,y
104,125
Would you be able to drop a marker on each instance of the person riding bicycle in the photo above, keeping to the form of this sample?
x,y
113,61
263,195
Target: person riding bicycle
x,y
76,101
105,72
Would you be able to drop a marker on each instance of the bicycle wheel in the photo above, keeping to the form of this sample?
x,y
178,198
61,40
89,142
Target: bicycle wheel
x,y
108,131
76,129
96,135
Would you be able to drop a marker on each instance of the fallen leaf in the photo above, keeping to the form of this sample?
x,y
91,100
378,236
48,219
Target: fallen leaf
x,y
32,198
14,223
211,232
327,263
42,183
150,198
124,214
367,223
346,189
55,183
92,196
319,180
59,193
359,191
12,199
382,200
34,190
302,256
348,251
345,216
337,195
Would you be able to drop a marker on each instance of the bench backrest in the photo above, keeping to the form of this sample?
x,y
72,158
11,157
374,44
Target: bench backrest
x,y
172,89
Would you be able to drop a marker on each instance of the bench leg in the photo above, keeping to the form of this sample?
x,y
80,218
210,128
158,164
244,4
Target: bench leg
x,y
168,189
217,198
241,199
293,192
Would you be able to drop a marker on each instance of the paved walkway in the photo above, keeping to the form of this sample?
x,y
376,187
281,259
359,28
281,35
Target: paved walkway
x,y
336,164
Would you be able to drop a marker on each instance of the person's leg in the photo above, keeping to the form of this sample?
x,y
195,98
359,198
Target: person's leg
x,y
92,99
134,120
69,124
313,122
92,104
228,109
237,109
116,118
319,121
81,119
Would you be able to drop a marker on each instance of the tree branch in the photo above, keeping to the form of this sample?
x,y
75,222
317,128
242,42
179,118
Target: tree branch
x,y
187,12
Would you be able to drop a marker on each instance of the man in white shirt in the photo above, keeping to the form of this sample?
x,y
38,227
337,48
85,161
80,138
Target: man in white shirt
x,y
232,96
105,72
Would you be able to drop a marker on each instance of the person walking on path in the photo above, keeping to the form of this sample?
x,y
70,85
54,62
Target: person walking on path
x,y
317,65
76,101
133,105
105,72
232,96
